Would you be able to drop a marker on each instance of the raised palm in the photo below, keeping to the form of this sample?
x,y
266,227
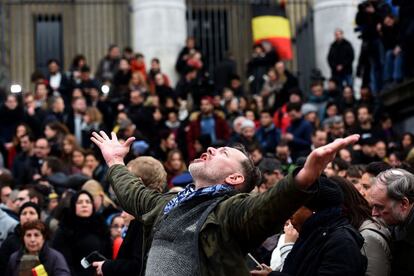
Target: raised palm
x,y
112,150
319,158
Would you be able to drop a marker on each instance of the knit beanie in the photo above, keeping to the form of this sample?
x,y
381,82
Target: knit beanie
x,y
30,204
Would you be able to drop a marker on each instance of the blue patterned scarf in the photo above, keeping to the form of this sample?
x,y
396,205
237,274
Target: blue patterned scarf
x,y
190,192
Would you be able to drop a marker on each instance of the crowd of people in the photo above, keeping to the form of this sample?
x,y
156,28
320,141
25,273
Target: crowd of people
x,y
61,192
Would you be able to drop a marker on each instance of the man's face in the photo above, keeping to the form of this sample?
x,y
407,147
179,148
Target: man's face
x,y
44,170
265,119
248,132
26,144
11,102
206,107
338,129
282,153
22,198
272,178
330,170
363,115
317,90
384,208
114,53
215,165
320,139
59,105
53,68
5,194
256,156
294,115
42,148
339,35
79,106
136,98
366,184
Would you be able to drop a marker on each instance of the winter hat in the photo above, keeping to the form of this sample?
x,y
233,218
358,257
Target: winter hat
x,y
139,147
329,195
247,123
33,205
308,108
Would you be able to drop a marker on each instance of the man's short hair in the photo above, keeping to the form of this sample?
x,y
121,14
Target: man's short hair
x,y
294,106
150,170
251,173
54,164
399,183
375,168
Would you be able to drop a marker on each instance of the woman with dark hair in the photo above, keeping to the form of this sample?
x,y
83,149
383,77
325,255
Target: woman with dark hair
x,y
377,236
36,254
55,133
175,165
28,212
81,232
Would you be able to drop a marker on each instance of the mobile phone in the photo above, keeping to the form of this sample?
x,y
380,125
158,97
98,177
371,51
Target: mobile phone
x,y
254,260
95,256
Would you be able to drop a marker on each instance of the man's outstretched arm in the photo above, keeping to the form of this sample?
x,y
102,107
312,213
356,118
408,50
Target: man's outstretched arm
x,y
132,195
254,218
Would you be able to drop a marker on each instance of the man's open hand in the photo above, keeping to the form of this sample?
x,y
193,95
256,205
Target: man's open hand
x,y
112,150
319,158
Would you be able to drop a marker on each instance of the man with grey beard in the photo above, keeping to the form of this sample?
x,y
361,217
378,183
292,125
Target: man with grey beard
x,y
392,198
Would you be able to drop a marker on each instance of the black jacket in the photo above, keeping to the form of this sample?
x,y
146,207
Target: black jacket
x,y
128,261
327,245
8,247
341,53
78,237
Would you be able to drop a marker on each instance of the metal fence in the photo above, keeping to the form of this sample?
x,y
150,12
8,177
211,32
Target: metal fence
x,y
223,26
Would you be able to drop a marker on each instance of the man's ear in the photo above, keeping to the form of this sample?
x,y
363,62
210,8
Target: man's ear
x,y
234,179
405,204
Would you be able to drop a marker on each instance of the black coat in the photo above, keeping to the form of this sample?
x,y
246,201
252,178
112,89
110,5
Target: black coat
x,y
327,245
341,53
128,261
402,249
10,245
76,238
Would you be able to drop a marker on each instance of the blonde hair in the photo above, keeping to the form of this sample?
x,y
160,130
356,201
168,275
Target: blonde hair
x,y
95,189
94,114
150,170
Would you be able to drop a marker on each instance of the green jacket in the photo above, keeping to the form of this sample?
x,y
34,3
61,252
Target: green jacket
x,y
237,225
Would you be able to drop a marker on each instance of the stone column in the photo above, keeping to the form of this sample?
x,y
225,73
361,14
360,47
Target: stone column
x,y
329,15
159,29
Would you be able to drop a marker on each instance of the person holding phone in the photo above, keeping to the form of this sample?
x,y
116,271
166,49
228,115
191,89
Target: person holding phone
x,y
81,232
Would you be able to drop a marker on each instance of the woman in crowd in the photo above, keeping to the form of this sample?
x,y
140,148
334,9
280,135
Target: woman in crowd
x,y
36,254
377,236
174,165
77,161
55,133
28,212
92,121
69,145
103,204
81,232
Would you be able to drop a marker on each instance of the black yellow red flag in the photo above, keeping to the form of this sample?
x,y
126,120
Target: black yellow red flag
x,y
269,23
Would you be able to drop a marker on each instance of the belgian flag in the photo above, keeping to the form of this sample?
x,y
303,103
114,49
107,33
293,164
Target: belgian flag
x,y
270,24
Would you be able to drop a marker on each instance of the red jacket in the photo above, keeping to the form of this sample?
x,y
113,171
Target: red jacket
x,y
194,131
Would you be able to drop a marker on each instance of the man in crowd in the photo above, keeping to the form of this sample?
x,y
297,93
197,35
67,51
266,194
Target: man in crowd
x,y
392,198
213,209
340,58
